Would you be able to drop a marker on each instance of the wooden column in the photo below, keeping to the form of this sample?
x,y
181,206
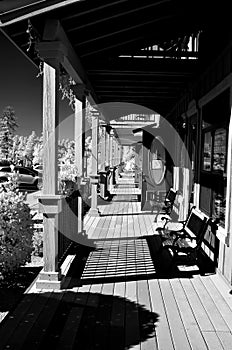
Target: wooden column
x,y
107,147
49,201
94,178
79,136
137,170
120,153
102,166
111,136
103,149
79,131
111,159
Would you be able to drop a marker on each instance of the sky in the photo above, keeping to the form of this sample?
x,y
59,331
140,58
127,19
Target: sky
x,y
21,89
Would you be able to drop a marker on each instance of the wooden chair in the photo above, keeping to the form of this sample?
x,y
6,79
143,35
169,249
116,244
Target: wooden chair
x,y
189,238
164,205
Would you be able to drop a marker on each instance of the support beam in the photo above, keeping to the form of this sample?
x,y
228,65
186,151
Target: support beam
x,y
111,161
94,178
107,147
103,149
49,201
79,137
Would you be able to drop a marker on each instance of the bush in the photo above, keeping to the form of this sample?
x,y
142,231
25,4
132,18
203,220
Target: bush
x,y
37,241
16,229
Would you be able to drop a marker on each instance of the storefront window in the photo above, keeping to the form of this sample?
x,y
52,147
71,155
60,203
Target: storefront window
x,y
219,150
207,152
215,121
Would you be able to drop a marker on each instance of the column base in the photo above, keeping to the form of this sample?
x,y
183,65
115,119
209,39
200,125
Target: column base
x,y
49,280
94,212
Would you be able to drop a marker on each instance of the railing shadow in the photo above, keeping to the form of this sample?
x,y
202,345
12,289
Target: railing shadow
x,y
128,259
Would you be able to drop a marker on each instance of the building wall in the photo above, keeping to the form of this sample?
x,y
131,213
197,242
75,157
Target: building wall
x,y
208,117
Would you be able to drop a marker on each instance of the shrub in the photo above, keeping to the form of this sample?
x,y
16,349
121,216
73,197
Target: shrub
x,y
37,240
16,229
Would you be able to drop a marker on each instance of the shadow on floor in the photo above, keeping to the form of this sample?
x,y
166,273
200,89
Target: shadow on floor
x,y
79,320
130,260
13,286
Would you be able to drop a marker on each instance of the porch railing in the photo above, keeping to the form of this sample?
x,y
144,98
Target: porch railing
x,y
67,224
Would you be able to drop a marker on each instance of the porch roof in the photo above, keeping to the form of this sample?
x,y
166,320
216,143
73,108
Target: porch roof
x,y
100,33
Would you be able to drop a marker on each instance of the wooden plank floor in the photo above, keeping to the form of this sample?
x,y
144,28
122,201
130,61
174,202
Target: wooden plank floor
x,y
116,296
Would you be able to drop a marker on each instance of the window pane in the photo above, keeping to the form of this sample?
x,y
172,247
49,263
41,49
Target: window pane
x,y
219,150
219,204
207,151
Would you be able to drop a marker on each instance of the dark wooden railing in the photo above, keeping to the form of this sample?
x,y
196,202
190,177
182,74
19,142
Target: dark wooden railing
x,y
68,224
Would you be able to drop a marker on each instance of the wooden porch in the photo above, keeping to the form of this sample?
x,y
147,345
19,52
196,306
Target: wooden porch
x,y
117,295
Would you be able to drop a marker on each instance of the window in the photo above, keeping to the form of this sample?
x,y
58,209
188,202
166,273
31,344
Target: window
x,y
214,150
219,150
24,171
215,123
207,155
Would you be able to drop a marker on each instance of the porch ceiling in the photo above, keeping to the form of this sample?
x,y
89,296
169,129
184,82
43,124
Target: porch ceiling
x,y
102,31
126,136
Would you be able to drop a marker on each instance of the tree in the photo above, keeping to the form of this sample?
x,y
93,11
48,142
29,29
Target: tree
x,y
14,151
129,157
20,149
8,125
29,150
38,151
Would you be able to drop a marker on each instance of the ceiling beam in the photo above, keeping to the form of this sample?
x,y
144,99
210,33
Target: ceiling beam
x,y
112,46
124,95
94,9
136,89
118,15
124,30
159,53
157,73
143,64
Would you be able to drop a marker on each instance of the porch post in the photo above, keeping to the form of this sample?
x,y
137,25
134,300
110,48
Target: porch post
x,y
94,175
79,137
102,168
103,149
111,160
49,201
137,146
107,147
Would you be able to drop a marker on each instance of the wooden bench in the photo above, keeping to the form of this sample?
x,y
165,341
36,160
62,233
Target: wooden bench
x,y
189,238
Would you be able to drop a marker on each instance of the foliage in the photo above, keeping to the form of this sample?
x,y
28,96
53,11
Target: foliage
x,y
38,151
8,126
65,86
128,157
16,229
68,172
29,149
66,152
37,242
